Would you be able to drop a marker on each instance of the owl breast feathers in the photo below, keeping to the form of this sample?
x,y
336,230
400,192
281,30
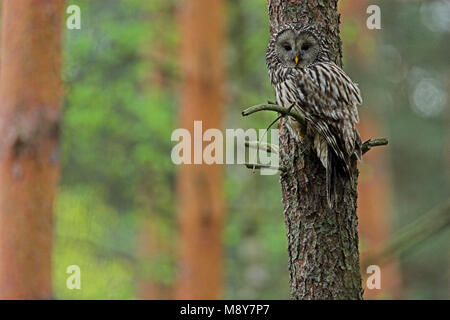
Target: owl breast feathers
x,y
305,79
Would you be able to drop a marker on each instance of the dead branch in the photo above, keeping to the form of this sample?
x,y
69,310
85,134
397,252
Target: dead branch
x,y
375,142
257,166
273,107
269,148
367,145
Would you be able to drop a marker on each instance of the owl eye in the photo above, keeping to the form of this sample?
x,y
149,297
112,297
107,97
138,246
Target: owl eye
x,y
305,46
287,47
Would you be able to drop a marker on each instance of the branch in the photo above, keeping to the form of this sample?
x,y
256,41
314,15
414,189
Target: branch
x,y
263,146
369,144
416,232
273,107
373,143
256,166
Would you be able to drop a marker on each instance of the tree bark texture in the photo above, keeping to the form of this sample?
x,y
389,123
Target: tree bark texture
x,y
201,209
322,242
30,99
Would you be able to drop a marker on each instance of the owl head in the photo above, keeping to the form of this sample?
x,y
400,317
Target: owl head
x,y
297,46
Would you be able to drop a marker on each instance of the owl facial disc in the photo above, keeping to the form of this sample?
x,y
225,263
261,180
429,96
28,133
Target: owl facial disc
x,y
297,49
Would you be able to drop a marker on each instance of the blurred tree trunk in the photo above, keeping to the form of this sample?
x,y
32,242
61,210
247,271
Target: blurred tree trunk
x,y
375,173
200,200
374,220
30,95
322,242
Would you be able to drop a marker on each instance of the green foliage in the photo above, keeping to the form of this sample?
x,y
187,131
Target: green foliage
x,y
116,147
89,233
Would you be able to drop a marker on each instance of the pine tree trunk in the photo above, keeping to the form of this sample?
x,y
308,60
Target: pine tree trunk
x,y
30,99
374,216
322,242
200,207
375,224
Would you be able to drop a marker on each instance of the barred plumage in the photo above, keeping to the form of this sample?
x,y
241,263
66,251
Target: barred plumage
x,y
306,79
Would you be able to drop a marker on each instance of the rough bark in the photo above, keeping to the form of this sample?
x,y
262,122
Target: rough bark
x,y
201,209
30,97
322,242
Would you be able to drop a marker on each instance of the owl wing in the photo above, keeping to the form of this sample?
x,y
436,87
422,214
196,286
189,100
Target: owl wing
x,y
333,93
329,99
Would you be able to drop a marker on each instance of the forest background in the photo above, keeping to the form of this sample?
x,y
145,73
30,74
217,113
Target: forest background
x,y
117,212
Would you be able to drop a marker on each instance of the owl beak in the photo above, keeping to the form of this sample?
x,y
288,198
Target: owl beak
x,y
296,60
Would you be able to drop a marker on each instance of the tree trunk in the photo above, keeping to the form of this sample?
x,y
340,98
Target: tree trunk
x,y
30,95
200,206
322,242
374,183
375,225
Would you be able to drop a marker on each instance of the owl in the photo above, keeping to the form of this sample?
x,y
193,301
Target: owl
x,y
306,80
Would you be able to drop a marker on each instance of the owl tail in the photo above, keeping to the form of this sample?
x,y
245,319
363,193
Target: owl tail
x,y
330,179
336,169
326,156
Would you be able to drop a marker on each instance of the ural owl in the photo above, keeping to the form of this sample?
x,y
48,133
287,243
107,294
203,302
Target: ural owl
x,y
306,80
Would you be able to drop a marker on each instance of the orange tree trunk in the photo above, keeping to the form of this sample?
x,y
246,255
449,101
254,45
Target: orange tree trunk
x,y
322,242
30,99
375,223
200,203
374,181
